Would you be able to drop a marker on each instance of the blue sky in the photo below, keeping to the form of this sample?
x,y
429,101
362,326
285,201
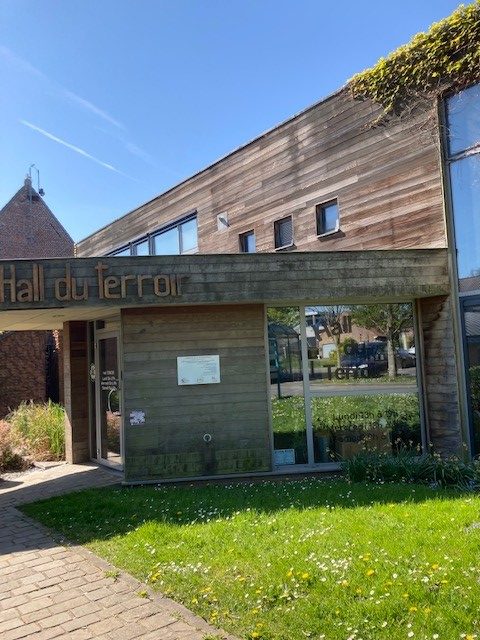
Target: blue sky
x,y
115,101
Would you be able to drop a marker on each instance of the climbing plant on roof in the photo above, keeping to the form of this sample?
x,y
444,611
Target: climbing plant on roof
x,y
446,57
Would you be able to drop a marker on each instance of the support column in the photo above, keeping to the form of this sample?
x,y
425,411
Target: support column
x,y
75,370
442,402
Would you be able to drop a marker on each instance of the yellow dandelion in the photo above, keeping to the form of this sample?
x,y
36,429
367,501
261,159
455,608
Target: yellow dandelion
x,y
412,609
435,566
305,576
370,572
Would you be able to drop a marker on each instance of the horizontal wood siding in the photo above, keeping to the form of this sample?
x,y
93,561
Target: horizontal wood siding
x,y
387,181
277,279
234,412
441,384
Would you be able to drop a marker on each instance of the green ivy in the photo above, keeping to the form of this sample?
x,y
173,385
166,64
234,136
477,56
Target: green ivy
x,y
447,56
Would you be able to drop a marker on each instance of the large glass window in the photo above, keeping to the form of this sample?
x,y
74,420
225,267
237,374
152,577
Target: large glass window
x,y
463,120
355,391
463,135
175,239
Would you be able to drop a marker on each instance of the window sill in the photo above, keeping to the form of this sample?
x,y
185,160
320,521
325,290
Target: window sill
x,y
338,233
286,247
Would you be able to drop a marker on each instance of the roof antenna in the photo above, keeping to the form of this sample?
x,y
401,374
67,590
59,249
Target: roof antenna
x,y
41,192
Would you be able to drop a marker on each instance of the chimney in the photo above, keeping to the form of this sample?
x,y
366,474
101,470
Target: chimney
x,y
28,182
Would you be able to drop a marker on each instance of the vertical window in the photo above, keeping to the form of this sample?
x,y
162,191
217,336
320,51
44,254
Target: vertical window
x,y
142,248
283,233
463,130
328,220
188,236
166,243
247,242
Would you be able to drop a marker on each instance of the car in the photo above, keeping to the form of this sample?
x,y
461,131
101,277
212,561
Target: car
x,y
404,358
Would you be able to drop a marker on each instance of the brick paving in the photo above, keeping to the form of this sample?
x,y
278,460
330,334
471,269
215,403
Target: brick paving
x,y
52,590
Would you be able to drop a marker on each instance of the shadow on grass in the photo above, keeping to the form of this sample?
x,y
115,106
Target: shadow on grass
x,y
99,514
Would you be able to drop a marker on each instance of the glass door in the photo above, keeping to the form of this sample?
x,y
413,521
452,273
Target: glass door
x,y
108,399
471,328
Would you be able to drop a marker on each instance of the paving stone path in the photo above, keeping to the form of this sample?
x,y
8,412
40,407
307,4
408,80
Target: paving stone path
x,y
49,590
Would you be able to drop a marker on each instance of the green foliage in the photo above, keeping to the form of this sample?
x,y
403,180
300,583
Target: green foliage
x,y
387,319
405,467
446,56
40,428
349,345
288,316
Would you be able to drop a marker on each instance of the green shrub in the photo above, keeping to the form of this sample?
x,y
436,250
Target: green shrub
x,y
334,413
406,467
40,429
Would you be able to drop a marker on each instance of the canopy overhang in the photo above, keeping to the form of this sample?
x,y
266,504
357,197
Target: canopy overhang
x,y
43,294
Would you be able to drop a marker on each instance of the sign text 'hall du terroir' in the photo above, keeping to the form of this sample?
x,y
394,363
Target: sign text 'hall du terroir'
x,y
69,287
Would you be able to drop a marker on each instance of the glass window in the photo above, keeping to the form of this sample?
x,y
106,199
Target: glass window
x,y
188,236
465,183
286,387
463,119
142,248
247,242
283,232
166,243
362,380
122,252
327,218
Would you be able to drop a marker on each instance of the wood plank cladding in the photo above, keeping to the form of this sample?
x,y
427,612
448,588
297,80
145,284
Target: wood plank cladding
x,y
441,384
355,276
387,181
234,412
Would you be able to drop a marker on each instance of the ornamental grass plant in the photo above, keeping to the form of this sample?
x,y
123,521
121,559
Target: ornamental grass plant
x,y
39,430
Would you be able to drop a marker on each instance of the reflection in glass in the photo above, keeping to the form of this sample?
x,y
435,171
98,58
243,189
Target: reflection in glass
x,y
288,405
109,405
463,115
362,379
166,243
188,234
465,181
142,248
472,334
346,425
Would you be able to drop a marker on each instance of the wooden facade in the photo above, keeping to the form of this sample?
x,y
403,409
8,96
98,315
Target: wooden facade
x,y
390,246
387,181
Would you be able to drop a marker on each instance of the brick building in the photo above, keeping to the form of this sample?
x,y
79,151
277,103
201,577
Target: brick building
x,y
29,359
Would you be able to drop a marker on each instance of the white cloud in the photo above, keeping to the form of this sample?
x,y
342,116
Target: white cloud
x,y
78,150
70,96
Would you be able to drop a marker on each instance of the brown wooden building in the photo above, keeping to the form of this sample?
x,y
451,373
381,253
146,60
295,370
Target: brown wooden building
x,y
171,370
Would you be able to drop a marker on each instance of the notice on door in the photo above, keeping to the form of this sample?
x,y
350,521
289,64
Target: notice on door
x,y
198,369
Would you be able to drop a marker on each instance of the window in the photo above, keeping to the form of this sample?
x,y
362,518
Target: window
x,y
121,252
166,243
176,238
142,248
328,220
283,233
247,242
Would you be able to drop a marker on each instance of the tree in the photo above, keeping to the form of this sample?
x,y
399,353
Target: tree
x,y
288,316
333,321
389,320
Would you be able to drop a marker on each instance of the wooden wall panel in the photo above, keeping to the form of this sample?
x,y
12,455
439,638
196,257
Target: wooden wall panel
x,y
75,369
234,412
441,384
387,181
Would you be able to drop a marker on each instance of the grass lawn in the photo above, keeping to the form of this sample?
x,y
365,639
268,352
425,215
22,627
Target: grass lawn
x,y
312,558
